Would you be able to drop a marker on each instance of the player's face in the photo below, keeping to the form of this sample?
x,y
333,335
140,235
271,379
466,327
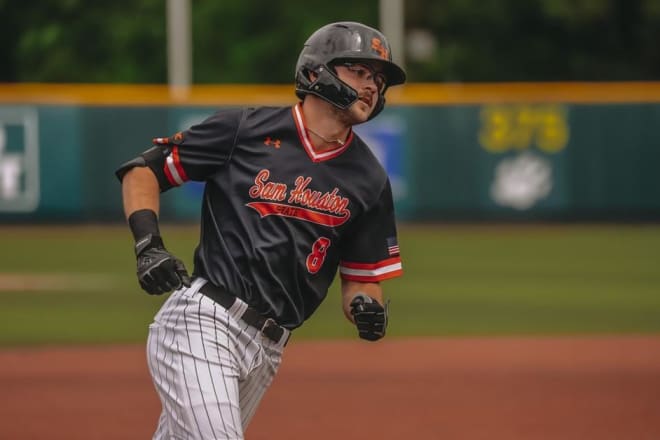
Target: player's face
x,y
368,81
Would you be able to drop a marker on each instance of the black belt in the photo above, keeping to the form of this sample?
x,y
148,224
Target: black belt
x,y
267,326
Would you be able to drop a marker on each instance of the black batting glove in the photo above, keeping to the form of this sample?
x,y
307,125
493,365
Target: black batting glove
x,y
158,271
370,317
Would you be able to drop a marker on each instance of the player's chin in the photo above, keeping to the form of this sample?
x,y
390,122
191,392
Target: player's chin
x,y
361,111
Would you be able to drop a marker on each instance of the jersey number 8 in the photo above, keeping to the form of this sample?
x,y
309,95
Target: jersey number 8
x,y
317,257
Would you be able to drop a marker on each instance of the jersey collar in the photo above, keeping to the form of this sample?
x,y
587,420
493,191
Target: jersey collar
x,y
307,144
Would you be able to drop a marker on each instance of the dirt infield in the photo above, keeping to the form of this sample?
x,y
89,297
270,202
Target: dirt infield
x,y
503,388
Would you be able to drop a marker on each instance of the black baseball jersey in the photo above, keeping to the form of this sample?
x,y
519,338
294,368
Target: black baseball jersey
x,y
278,218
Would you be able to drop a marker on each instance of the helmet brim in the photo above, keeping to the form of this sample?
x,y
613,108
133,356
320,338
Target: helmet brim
x,y
393,73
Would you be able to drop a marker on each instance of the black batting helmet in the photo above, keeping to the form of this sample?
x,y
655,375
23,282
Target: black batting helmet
x,y
344,42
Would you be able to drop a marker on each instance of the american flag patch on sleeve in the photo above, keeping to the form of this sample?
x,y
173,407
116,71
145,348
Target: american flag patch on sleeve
x,y
392,247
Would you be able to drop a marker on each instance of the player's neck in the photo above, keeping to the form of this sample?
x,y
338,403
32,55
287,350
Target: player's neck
x,y
324,124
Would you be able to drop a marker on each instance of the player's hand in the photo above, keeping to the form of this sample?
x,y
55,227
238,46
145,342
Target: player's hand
x,y
158,271
369,316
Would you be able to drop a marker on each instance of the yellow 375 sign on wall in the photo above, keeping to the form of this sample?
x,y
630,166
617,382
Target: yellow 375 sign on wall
x,y
519,127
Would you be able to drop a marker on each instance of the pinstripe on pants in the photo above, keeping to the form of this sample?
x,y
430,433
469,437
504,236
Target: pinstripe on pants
x,y
209,368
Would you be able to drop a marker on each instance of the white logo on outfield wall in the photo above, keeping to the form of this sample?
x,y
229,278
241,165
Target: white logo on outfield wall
x,y
19,160
521,181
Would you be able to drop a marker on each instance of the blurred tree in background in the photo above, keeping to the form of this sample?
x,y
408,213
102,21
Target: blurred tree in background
x,y
537,40
79,41
257,41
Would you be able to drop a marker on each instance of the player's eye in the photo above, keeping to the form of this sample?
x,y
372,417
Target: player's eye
x,y
365,72
359,70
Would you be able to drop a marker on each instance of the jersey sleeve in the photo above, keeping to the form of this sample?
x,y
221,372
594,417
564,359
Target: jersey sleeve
x,y
196,153
370,251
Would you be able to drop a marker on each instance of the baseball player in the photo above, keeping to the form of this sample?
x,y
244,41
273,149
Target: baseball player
x,y
291,195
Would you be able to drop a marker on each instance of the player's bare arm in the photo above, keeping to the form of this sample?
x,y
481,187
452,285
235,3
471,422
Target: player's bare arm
x,y
140,191
158,271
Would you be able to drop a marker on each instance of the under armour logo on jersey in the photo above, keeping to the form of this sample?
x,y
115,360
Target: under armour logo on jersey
x,y
272,142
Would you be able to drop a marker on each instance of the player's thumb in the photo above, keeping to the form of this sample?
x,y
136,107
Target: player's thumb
x,y
183,274
361,298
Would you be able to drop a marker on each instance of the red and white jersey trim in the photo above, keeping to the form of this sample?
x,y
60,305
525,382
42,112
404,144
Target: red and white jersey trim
x,y
173,169
371,272
307,143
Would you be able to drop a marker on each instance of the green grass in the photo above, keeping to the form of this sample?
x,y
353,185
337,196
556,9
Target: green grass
x,y
458,280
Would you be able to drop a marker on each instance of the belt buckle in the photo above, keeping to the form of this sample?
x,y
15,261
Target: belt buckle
x,y
272,329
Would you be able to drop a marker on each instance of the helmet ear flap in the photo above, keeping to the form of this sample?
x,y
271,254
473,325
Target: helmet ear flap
x,y
303,82
326,86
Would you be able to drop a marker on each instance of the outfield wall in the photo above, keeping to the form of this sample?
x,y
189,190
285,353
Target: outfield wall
x,y
453,152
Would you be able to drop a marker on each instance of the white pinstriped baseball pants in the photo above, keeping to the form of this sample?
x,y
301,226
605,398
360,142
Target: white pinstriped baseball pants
x,y
209,368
